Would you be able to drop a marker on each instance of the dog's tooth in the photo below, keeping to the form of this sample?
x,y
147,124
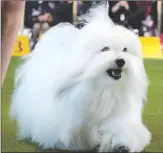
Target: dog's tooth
x,y
113,72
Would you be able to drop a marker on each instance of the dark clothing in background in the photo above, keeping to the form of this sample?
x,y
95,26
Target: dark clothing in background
x,y
29,18
153,12
63,13
43,7
138,11
115,16
85,7
134,15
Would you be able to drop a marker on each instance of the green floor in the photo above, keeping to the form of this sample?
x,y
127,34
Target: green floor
x,y
153,112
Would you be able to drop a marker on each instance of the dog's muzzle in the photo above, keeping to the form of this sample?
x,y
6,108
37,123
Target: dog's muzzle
x,y
116,71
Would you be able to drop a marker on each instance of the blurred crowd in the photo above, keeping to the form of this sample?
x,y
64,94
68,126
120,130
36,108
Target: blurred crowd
x,y
140,16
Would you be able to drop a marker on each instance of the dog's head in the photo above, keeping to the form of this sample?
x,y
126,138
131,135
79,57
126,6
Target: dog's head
x,y
109,49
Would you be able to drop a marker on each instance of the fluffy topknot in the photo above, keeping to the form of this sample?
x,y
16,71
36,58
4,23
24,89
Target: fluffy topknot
x,y
97,13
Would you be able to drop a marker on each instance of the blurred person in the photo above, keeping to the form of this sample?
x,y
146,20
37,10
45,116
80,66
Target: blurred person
x,y
150,21
118,10
143,12
11,19
130,13
38,17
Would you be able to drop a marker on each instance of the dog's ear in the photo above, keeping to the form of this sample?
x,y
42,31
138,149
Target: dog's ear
x,y
98,13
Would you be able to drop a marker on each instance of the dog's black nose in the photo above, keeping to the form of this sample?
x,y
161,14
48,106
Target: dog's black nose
x,y
120,62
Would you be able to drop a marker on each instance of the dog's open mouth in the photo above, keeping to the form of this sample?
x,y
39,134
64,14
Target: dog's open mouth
x,y
115,73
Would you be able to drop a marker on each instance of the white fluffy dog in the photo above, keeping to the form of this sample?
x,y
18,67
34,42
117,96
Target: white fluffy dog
x,y
82,89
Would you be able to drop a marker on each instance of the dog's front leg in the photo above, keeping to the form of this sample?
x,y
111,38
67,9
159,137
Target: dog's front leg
x,y
123,136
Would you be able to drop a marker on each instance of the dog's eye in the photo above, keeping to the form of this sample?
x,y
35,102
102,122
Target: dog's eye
x,y
125,49
105,49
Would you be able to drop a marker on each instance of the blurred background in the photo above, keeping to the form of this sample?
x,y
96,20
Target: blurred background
x,y
145,18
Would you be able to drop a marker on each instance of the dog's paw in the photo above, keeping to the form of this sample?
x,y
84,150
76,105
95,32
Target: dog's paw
x,y
122,149
118,148
125,139
114,143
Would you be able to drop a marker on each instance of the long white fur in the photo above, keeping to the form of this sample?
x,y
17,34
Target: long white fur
x,y
63,97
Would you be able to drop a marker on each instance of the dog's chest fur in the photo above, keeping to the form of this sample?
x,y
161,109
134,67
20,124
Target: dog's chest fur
x,y
97,102
97,98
